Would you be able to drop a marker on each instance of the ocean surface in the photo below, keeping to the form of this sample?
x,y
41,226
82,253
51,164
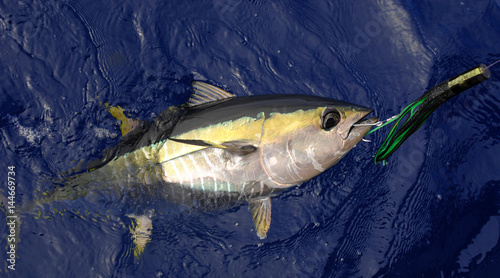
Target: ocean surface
x,y
432,211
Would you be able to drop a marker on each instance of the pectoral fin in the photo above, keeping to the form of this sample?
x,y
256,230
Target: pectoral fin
x,y
238,147
261,213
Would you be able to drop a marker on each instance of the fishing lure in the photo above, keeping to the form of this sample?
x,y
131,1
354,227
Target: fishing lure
x,y
414,115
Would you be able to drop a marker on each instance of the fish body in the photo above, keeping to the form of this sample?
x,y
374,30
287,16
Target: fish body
x,y
225,149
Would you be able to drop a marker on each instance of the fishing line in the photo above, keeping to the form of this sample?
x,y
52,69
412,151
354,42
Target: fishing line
x,y
493,64
378,125
413,116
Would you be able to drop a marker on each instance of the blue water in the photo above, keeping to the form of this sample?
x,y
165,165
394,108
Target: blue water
x,y
432,211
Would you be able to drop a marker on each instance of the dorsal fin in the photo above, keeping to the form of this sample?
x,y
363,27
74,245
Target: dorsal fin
x,y
205,93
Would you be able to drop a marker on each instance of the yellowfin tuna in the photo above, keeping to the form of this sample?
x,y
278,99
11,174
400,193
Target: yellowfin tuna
x,y
221,150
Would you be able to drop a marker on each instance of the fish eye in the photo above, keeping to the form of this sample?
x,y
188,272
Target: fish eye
x,y
330,120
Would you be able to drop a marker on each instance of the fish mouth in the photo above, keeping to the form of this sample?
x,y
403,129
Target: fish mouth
x,y
369,122
361,127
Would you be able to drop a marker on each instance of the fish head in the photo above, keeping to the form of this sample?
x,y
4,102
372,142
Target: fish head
x,y
302,144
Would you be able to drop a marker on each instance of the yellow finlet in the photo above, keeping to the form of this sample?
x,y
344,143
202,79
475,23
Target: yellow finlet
x,y
127,124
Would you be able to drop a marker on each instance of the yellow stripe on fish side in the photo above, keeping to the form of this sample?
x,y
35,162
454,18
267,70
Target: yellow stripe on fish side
x,y
245,129
279,124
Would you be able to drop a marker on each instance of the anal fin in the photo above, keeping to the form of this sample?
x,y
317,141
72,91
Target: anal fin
x,y
261,214
140,232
